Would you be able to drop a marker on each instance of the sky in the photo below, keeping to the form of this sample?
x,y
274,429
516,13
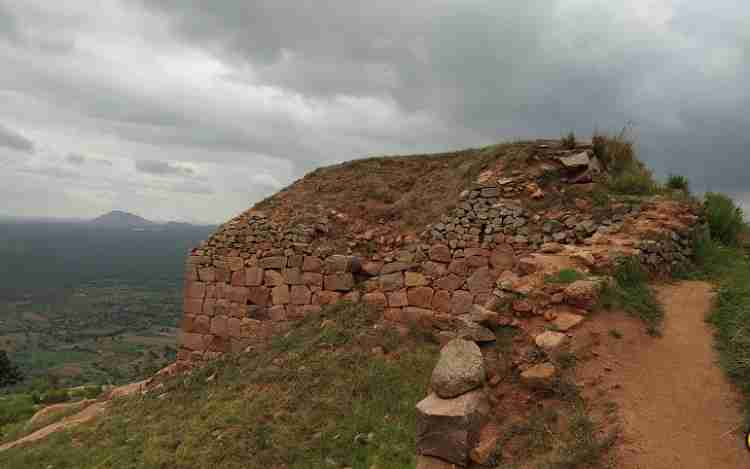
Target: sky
x,y
193,111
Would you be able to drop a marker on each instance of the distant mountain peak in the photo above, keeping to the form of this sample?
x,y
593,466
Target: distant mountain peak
x,y
121,219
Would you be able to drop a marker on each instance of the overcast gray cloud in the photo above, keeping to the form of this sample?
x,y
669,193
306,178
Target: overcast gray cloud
x,y
14,140
250,95
162,168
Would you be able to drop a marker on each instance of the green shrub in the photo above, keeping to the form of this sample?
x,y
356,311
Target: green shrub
x,y
725,218
15,408
55,396
569,141
628,174
565,276
630,292
678,183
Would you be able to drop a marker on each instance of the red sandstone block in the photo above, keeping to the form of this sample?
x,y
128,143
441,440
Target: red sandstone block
x,y
273,278
293,276
477,261
254,276
237,294
219,326
421,297
238,278
440,253
441,301
375,299
207,274
312,279
451,282
339,282
192,306
258,295
274,262
397,299
192,341
280,295
312,264
195,290
211,291
325,297
395,315
234,327
237,310
459,267
461,302
300,295
187,322
202,324
222,275
208,307
352,297
235,263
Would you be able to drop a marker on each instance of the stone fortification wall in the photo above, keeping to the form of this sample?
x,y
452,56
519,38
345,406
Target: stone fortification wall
x,y
508,231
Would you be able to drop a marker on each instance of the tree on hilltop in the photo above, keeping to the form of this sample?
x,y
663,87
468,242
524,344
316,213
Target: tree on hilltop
x,y
9,373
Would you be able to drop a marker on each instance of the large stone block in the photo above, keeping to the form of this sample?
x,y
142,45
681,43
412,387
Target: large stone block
x,y
293,276
459,369
392,282
421,297
375,299
280,295
441,301
337,264
397,299
339,282
312,279
481,281
449,429
195,290
414,279
237,294
450,282
207,274
258,295
440,253
461,302
273,278
219,326
254,276
300,295
202,324
325,297
238,278
192,341
192,306
312,264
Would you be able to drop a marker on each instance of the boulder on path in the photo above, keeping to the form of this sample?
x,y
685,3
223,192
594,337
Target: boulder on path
x,y
583,293
459,369
449,429
550,340
577,161
566,321
540,376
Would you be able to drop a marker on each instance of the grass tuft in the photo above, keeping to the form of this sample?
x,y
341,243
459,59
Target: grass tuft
x,y
725,218
630,291
678,183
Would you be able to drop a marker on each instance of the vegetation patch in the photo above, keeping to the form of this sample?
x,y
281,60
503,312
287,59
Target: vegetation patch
x,y
322,395
630,292
565,276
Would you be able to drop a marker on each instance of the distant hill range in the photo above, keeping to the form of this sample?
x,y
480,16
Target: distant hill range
x,y
120,219
125,220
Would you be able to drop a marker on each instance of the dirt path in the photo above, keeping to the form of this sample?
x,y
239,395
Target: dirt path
x,y
94,409
83,416
676,407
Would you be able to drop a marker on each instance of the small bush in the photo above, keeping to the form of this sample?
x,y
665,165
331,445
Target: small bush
x,y
678,183
725,218
631,292
55,396
565,276
569,141
628,174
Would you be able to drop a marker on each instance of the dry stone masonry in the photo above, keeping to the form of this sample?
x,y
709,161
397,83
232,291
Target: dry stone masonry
x,y
482,263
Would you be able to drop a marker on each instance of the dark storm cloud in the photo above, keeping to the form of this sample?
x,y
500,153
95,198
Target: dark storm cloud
x,y
498,70
15,141
162,168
